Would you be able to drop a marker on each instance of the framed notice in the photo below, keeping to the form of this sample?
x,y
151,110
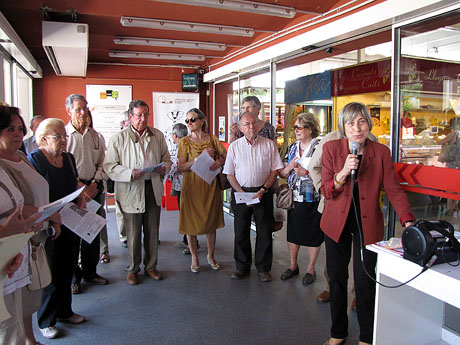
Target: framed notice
x,y
107,102
170,108
222,128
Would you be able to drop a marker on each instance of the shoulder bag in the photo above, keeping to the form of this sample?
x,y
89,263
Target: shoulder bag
x,y
39,268
222,180
285,197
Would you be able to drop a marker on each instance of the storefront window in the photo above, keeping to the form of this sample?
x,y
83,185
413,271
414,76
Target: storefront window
x,y
428,105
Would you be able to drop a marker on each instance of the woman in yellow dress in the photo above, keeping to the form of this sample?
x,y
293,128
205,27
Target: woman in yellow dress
x,y
200,203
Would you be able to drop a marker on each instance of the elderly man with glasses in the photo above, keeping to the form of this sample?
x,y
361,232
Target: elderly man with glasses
x,y
252,165
88,148
139,193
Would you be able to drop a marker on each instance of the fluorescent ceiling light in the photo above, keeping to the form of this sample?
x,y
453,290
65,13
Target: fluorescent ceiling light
x,y
161,24
156,56
156,42
241,6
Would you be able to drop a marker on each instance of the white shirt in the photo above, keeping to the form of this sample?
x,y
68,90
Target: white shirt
x,y
251,164
30,144
89,152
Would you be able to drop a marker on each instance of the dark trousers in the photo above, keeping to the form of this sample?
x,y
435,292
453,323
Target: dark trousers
x,y
56,299
263,215
338,257
89,253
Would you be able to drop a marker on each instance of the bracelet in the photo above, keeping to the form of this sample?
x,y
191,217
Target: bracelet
x,y
335,180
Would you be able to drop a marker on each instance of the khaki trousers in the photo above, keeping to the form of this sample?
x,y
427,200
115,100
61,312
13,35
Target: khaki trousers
x,y
147,224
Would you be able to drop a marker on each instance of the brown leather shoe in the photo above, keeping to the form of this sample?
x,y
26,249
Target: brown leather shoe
x,y
132,278
323,297
154,274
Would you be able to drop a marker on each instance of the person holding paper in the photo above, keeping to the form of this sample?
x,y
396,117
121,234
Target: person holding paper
x,y
88,148
139,194
252,165
200,203
33,187
303,220
59,169
12,330
354,171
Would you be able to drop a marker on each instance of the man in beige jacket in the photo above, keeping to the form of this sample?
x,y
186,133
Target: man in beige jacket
x,y
139,193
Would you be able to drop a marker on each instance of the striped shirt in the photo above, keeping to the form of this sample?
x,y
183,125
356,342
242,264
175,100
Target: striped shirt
x,y
252,164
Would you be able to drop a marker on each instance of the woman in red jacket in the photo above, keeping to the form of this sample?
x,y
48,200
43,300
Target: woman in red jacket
x,y
351,186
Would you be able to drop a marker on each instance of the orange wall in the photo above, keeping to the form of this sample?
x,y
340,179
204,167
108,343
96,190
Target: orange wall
x,y
51,91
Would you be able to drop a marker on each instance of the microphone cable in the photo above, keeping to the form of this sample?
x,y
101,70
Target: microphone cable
x,y
361,245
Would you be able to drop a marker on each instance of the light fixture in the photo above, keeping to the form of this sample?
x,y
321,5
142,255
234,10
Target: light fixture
x,y
241,6
156,42
156,56
161,24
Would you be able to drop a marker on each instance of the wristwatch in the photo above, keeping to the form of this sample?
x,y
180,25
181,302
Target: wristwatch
x,y
264,188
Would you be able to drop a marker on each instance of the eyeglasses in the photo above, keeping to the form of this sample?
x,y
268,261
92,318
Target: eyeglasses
x,y
138,116
192,120
300,127
57,137
248,124
79,110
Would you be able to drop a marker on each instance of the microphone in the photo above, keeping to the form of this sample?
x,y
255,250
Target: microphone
x,y
354,150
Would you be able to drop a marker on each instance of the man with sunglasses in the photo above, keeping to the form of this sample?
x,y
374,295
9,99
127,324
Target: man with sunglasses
x,y
252,165
139,194
88,148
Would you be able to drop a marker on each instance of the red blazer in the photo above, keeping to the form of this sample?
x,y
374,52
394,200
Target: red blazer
x,y
375,173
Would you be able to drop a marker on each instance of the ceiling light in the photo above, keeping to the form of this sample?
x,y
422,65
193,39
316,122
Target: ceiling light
x,y
241,6
161,24
156,42
156,56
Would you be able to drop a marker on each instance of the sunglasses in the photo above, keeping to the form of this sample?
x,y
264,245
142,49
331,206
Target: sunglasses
x,y
192,120
299,127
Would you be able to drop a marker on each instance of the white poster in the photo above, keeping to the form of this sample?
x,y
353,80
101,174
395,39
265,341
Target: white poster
x,y
106,103
222,128
170,108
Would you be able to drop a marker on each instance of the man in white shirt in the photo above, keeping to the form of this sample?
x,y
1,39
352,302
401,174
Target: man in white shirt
x,y
252,165
88,148
30,143
139,194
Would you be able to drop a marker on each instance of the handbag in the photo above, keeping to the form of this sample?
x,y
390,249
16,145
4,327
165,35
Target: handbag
x,y
449,150
40,270
285,197
222,180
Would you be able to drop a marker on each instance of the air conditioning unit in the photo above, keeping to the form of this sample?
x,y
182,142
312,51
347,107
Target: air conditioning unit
x,y
66,45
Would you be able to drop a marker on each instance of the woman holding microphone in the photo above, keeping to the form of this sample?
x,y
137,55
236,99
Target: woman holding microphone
x,y
354,171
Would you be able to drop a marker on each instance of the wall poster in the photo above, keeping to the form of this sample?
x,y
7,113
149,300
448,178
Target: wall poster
x,y
170,108
222,128
106,103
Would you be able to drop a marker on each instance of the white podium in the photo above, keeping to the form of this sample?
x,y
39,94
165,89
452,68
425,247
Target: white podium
x,y
413,314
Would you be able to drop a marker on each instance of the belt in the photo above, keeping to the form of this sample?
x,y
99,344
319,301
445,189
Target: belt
x,y
251,189
87,182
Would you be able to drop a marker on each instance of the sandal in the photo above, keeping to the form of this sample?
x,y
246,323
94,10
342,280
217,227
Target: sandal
x,y
105,259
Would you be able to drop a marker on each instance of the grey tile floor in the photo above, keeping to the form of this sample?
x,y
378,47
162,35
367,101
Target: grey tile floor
x,y
204,308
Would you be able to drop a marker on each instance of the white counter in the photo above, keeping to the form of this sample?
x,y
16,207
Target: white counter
x,y
413,313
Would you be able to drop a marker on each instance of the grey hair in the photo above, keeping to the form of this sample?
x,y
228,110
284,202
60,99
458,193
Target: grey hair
x,y
136,104
245,114
45,127
201,116
180,130
252,99
74,97
349,113
36,117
